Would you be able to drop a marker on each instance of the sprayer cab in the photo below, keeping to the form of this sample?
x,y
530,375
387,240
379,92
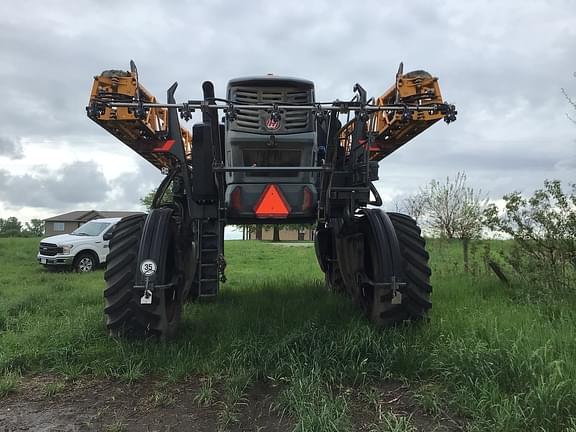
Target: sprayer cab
x,y
273,147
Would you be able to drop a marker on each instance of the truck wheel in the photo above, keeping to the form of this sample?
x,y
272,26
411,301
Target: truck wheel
x,y
135,239
84,262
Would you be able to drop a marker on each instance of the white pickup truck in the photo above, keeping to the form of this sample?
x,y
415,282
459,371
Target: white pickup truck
x,y
83,249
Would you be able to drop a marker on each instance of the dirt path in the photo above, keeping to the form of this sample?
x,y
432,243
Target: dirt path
x,y
46,403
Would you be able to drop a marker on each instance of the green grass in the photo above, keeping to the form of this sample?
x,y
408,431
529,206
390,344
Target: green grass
x,y
8,383
501,365
391,422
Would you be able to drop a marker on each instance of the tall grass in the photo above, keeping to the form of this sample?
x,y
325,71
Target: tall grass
x,y
500,365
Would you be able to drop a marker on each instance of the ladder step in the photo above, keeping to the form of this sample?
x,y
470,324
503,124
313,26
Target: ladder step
x,y
207,276
210,291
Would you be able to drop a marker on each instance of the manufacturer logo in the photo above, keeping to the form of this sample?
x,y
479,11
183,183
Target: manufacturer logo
x,y
272,124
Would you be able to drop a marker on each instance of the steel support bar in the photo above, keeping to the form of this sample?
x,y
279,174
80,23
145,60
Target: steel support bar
x,y
269,169
318,107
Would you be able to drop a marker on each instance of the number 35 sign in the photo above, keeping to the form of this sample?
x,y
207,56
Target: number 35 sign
x,y
148,267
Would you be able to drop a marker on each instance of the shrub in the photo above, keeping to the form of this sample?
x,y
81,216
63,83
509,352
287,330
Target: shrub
x,y
543,227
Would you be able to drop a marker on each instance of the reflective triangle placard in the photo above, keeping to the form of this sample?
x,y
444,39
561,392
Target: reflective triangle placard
x,y
272,204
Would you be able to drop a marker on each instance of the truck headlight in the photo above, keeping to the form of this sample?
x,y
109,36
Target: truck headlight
x,y
66,249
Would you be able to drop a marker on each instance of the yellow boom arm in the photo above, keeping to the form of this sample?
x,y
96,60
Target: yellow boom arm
x,y
392,129
146,134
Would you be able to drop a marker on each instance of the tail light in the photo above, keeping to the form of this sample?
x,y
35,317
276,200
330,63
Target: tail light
x,y
236,198
307,201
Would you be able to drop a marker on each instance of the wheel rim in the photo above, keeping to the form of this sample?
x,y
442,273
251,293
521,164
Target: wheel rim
x,y
85,265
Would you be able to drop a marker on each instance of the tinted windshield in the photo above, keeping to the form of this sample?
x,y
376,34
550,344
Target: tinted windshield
x,y
91,229
273,158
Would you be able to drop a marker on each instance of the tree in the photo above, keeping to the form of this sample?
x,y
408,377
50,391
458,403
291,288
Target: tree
x,y
276,228
276,234
414,205
451,209
544,231
35,228
275,231
10,227
571,102
146,201
247,229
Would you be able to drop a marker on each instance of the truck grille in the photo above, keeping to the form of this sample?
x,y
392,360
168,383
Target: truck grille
x,y
49,249
296,120
253,120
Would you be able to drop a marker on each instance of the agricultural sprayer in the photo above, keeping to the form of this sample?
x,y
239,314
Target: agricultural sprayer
x,y
268,153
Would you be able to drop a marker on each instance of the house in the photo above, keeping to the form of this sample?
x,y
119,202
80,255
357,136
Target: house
x,y
287,233
68,222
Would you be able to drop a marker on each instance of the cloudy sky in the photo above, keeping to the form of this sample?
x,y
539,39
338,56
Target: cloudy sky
x,y
503,63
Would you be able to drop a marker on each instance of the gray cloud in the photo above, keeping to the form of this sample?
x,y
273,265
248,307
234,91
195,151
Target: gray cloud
x,y
504,71
495,167
483,61
129,188
73,184
10,148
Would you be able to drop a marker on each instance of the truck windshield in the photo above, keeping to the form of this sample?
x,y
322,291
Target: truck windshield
x,y
90,229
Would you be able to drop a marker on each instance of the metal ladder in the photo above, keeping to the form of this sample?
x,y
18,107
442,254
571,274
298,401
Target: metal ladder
x,y
207,275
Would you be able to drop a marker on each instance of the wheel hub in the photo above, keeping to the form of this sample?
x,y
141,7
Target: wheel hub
x,y
85,265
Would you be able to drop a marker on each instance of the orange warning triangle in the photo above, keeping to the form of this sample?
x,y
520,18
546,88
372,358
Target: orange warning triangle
x,y
271,203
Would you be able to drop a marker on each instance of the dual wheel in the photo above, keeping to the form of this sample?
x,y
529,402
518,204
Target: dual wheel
x,y
379,259
142,300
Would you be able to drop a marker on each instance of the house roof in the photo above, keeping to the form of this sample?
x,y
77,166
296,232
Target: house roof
x,y
86,215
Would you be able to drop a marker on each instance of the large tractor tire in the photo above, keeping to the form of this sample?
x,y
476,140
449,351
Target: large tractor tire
x,y
384,266
136,239
416,294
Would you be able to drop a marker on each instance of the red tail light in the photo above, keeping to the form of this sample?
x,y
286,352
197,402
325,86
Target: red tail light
x,y
307,201
236,198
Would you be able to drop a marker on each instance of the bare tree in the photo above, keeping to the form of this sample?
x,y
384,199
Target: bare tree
x,y
452,209
570,101
414,205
